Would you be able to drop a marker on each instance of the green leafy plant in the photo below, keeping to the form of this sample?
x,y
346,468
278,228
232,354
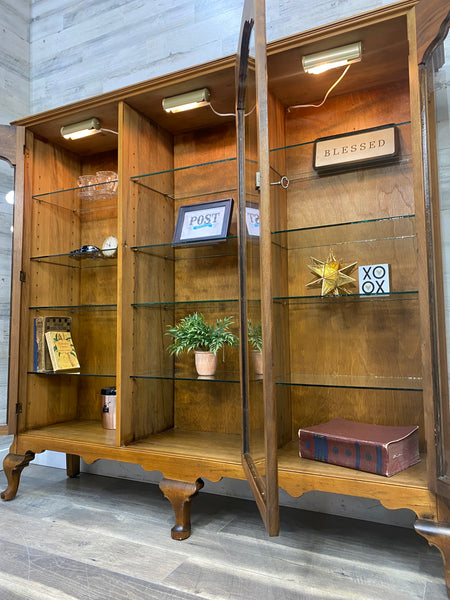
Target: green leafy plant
x,y
255,335
194,333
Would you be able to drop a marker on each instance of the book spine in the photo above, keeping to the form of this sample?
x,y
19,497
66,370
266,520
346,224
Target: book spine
x,y
35,347
371,458
39,350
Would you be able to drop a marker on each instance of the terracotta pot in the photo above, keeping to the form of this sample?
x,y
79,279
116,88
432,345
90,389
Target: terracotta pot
x,y
257,362
205,362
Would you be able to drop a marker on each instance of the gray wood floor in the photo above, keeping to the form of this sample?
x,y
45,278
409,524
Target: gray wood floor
x,y
95,538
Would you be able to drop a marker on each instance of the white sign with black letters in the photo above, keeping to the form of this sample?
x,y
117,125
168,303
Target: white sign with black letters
x,y
374,279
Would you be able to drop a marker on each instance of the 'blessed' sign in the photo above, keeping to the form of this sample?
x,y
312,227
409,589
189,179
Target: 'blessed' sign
x,y
353,149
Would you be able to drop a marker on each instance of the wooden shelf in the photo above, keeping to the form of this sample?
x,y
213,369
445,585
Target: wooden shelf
x,y
87,432
290,462
196,444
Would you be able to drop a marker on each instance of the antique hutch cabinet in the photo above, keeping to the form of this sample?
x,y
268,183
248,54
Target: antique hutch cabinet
x,y
374,358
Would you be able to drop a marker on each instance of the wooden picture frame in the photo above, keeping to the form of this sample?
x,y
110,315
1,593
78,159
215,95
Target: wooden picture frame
x,y
356,149
203,222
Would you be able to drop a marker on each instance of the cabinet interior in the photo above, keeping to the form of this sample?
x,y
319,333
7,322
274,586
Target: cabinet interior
x,y
353,357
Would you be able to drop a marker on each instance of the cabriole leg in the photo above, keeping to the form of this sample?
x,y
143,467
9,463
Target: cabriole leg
x,y
437,534
13,465
180,494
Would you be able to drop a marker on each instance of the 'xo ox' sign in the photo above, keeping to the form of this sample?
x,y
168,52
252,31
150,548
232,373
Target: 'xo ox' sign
x,y
374,279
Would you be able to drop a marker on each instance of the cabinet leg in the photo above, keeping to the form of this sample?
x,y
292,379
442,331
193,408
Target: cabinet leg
x,y
72,465
13,465
437,534
180,494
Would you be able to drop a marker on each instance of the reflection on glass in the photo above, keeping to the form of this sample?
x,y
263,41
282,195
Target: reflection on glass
x,y
6,228
440,68
251,368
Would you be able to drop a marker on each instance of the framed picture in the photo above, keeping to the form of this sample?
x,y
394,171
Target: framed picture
x,y
252,219
357,148
205,222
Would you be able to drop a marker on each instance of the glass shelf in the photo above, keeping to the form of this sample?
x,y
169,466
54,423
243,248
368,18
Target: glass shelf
x,y
79,307
78,200
391,296
191,375
192,251
68,260
387,229
72,374
188,304
197,178
367,382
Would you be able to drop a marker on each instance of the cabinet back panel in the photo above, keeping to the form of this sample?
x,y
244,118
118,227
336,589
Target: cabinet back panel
x,y
350,112
89,397
201,146
358,194
51,399
315,405
214,407
356,338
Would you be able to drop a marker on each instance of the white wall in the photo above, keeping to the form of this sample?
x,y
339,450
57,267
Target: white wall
x,y
80,48
14,59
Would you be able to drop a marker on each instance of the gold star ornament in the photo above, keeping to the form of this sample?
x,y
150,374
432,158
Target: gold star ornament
x,y
331,275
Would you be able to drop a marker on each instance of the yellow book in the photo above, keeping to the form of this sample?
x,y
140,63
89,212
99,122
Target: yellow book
x,y
61,350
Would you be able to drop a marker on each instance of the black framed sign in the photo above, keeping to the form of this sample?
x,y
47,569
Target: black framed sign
x,y
205,222
356,148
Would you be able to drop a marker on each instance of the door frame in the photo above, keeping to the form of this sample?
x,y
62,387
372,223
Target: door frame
x,y
12,149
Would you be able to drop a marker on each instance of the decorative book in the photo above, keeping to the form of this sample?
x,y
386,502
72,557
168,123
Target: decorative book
x,y
381,449
41,357
61,350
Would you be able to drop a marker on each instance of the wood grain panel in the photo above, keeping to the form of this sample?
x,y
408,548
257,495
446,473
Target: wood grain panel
x,y
146,217
315,405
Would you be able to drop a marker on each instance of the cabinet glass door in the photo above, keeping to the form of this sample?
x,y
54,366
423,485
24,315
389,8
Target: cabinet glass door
x,y
258,446
7,171
436,101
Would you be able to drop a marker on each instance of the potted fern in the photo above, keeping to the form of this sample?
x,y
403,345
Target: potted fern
x,y
194,333
255,339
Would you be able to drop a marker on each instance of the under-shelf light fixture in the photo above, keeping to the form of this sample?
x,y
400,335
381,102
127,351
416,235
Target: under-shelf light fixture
x,y
75,131
330,59
187,101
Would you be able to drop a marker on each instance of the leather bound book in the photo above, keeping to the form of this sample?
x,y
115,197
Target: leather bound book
x,y
381,449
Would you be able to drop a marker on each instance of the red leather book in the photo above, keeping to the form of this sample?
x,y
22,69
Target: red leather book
x,y
381,449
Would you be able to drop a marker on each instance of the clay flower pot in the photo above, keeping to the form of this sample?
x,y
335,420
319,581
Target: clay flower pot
x,y
205,362
257,362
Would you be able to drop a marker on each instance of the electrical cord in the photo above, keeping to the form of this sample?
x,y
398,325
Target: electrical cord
x,y
338,80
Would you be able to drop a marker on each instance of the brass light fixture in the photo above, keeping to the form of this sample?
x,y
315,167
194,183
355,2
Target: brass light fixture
x,y
330,59
75,131
187,101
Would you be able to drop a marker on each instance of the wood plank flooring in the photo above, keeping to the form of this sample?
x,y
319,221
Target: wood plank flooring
x,y
95,538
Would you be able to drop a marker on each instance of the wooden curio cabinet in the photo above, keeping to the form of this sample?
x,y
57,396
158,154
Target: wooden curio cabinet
x,y
367,358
